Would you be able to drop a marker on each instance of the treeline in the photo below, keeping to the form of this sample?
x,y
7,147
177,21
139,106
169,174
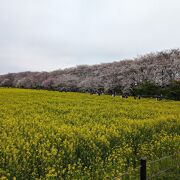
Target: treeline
x,y
151,74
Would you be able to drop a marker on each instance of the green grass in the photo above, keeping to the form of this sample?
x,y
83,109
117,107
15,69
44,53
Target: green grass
x,y
49,135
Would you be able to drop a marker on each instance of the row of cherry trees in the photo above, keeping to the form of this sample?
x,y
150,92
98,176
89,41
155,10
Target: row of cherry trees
x,y
160,68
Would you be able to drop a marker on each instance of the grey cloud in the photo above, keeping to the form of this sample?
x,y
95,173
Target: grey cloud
x,y
46,35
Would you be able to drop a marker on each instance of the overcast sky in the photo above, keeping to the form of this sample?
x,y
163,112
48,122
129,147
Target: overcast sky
x,y
40,35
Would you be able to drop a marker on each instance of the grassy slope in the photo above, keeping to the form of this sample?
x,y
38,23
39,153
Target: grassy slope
x,y
50,134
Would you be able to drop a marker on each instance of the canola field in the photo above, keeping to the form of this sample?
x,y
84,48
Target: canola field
x,y
58,135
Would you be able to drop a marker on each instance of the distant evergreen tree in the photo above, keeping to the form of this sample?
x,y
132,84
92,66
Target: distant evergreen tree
x,y
146,88
172,91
